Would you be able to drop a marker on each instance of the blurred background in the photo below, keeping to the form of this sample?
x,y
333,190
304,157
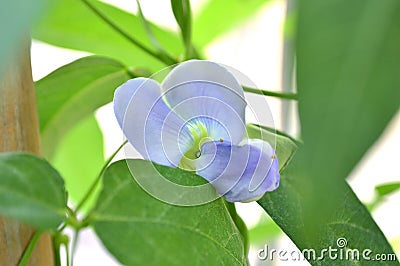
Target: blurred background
x,y
256,48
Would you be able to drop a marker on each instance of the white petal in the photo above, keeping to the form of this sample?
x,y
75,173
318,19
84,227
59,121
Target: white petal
x,y
205,89
149,124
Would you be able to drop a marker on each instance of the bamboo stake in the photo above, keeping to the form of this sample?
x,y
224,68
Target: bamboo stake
x,y
19,131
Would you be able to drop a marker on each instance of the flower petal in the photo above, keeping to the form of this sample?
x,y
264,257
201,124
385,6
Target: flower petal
x,y
198,88
156,132
240,173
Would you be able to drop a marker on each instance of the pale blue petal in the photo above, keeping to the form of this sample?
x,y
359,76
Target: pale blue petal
x,y
240,173
205,89
156,132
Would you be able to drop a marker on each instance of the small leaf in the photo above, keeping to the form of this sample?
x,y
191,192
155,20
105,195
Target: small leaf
x,y
387,189
285,147
183,15
31,191
139,229
72,92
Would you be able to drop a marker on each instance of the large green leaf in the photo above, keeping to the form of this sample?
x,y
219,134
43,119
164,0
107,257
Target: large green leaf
x,y
80,157
349,219
72,92
15,19
211,22
347,75
139,229
72,24
31,191
348,62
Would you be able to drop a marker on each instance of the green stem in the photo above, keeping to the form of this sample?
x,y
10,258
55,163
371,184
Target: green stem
x,y
29,249
98,178
166,59
287,96
67,255
74,245
56,249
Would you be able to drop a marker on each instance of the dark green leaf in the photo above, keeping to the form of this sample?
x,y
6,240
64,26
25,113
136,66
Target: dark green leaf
x,y
183,15
139,229
80,157
285,147
386,189
31,191
72,92
73,25
211,22
348,219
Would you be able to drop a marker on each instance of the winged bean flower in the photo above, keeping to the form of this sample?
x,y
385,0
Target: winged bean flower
x,y
195,120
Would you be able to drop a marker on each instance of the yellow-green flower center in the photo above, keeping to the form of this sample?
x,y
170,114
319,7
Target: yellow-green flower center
x,y
200,136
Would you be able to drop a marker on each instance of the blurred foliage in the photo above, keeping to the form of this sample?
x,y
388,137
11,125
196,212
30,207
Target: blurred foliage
x,y
386,189
211,23
348,92
183,15
347,95
88,32
264,232
16,17
79,158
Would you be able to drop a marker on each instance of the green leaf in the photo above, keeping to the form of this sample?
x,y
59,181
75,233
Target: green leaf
x,y
31,191
348,219
210,23
285,146
387,189
347,83
16,17
72,92
348,91
139,229
347,78
240,224
183,15
87,32
79,158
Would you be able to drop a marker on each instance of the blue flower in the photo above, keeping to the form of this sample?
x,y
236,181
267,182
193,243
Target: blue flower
x,y
195,120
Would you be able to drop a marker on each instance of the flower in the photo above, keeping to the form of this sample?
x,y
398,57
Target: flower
x,y
195,120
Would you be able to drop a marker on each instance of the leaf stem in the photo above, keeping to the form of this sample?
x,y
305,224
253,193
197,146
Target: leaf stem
x,y
29,249
98,178
164,58
287,96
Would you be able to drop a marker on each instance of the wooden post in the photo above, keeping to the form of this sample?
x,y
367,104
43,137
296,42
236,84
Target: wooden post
x,y
19,131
